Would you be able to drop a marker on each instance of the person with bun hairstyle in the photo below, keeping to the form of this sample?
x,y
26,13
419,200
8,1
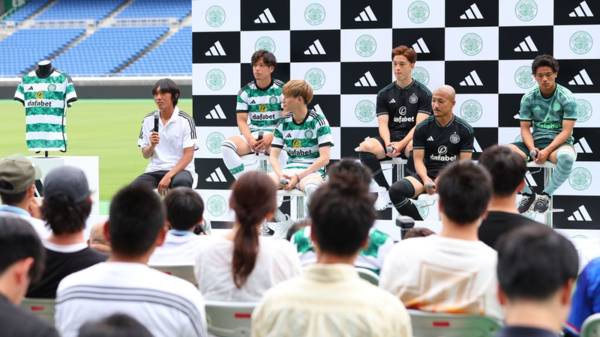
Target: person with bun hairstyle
x,y
329,298
242,265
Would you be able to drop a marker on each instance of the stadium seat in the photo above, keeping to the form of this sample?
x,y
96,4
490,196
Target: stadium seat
x,y
140,9
591,326
368,276
71,10
25,11
183,272
427,324
229,319
41,307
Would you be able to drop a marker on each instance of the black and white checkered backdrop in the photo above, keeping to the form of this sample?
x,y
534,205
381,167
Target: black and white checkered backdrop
x,y
483,48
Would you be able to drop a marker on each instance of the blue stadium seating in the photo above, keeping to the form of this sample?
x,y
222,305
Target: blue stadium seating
x,y
172,57
79,10
23,49
107,49
157,9
26,10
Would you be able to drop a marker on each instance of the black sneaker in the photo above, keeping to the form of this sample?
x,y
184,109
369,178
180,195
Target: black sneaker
x,y
542,201
526,202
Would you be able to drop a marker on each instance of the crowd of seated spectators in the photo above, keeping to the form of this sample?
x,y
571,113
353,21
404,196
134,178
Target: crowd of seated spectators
x,y
487,260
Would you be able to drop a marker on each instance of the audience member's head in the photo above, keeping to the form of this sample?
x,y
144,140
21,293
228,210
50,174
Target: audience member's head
x,y
67,203
298,225
184,208
464,190
253,199
536,267
507,169
136,222
341,217
17,178
115,325
97,239
417,232
21,257
349,171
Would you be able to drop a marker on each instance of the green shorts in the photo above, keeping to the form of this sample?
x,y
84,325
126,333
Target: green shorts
x,y
538,143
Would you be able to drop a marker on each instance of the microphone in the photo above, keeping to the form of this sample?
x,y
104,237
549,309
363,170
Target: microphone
x,y
155,122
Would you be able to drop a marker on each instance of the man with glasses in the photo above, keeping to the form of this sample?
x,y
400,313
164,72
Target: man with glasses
x,y
551,110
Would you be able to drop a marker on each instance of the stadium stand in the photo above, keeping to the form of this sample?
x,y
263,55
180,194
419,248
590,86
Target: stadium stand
x,y
178,9
173,57
26,11
79,10
23,49
107,50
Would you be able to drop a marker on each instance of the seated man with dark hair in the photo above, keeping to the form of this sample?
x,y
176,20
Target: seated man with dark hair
x,y
116,325
452,272
184,215
508,177
166,305
348,171
329,298
21,261
66,207
537,268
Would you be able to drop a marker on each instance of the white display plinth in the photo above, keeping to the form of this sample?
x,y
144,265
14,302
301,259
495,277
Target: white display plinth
x,y
89,165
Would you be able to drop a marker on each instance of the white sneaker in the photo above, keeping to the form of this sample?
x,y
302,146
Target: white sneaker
x,y
383,200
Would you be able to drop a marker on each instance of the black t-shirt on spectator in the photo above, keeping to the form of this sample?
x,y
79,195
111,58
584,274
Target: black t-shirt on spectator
x,y
59,265
498,223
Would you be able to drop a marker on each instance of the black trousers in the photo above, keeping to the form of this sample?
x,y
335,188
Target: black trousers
x,y
151,179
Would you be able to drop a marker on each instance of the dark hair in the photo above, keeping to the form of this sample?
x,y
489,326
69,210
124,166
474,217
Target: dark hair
x,y
417,232
405,51
534,262
267,57
167,85
63,215
19,241
13,199
349,171
506,168
135,218
184,208
544,60
253,196
336,206
465,190
298,225
115,325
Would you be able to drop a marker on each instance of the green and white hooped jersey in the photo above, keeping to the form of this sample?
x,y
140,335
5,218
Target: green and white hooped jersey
x,y
45,101
263,106
302,141
371,257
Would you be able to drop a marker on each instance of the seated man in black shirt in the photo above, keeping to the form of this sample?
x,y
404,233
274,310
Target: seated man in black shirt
x,y
21,262
439,140
66,207
401,105
536,271
508,170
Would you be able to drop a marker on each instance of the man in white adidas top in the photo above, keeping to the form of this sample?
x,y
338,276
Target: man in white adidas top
x,y
166,305
452,272
168,139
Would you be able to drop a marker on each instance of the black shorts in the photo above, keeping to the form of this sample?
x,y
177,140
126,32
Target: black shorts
x,y
394,137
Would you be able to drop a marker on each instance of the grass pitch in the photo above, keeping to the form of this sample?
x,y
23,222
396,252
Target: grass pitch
x,y
107,128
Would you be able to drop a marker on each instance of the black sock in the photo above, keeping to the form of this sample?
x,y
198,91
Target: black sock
x,y
409,209
369,160
400,193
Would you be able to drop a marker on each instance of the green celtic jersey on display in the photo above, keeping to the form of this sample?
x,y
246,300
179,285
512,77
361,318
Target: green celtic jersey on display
x,y
263,106
547,114
302,140
45,101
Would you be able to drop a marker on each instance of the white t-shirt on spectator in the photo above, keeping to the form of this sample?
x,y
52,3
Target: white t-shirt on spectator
x,y
177,134
166,305
178,250
38,225
277,261
441,274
